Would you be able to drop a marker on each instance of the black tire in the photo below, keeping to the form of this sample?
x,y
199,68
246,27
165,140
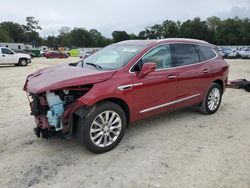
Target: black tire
x,y
22,62
204,108
84,126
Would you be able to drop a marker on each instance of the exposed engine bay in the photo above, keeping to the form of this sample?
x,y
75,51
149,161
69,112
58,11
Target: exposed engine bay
x,y
49,109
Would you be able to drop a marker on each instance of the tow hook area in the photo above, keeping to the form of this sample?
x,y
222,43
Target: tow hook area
x,y
45,133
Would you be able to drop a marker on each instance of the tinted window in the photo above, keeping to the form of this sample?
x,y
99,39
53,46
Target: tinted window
x,y
185,54
6,51
160,55
205,53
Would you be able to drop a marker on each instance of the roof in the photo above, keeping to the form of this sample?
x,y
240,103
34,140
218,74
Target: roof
x,y
153,41
137,42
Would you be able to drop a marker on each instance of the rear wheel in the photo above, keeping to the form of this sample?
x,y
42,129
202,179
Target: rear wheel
x,y
23,62
212,100
103,129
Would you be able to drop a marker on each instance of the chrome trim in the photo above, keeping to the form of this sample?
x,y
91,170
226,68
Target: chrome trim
x,y
171,77
123,87
169,68
169,103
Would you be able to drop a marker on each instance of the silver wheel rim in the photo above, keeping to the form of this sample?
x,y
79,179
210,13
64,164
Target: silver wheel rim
x,y
105,129
23,62
213,99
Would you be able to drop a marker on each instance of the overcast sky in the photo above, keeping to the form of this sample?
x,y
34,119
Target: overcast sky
x,y
109,15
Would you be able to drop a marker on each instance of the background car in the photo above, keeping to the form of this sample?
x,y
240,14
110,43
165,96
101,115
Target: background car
x,y
230,53
8,56
245,53
55,54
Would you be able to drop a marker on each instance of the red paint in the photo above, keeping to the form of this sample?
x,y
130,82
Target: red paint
x,y
55,54
156,88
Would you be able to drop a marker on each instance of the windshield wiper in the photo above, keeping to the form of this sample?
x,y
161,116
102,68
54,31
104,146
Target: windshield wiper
x,y
98,67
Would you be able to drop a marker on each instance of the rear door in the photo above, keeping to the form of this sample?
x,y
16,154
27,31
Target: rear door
x,y
155,92
191,72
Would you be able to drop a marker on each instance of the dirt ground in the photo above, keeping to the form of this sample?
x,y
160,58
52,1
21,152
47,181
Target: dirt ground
x,y
180,149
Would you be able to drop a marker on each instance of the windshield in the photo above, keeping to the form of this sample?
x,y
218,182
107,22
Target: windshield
x,y
112,57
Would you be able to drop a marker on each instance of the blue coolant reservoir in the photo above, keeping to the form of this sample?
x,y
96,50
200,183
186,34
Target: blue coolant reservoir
x,y
55,111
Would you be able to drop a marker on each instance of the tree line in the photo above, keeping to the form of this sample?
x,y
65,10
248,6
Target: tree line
x,y
231,31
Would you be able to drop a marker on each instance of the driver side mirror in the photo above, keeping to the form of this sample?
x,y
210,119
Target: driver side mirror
x,y
146,69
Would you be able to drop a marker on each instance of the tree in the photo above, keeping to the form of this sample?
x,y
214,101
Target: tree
x,y
81,38
32,24
4,36
52,42
196,29
142,35
120,36
132,36
15,31
170,29
98,39
64,38
34,38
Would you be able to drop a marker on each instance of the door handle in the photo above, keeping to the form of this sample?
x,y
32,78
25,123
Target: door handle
x,y
171,77
205,70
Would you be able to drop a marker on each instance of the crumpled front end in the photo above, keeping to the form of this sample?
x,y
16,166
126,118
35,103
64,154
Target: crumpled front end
x,y
53,110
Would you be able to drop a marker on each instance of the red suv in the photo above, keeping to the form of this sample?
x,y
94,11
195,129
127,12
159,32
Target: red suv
x,y
125,82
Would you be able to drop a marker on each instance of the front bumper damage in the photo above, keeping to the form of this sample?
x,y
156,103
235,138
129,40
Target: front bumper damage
x,y
53,115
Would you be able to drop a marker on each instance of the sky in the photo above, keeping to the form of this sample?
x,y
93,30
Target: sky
x,y
109,15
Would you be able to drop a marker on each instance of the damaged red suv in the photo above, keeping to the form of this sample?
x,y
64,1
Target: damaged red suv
x,y
125,82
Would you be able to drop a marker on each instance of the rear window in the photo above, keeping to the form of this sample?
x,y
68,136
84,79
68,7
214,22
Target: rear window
x,y
185,54
206,53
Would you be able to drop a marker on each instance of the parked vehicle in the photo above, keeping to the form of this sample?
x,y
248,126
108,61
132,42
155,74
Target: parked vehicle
x,y
230,53
123,83
245,53
73,53
55,54
25,52
8,56
86,54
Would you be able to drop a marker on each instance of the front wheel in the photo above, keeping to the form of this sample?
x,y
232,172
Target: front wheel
x,y
103,129
212,100
23,62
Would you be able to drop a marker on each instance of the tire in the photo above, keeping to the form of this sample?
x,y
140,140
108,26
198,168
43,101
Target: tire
x,y
212,100
96,133
22,62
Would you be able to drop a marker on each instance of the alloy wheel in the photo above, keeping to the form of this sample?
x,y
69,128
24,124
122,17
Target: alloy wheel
x,y
213,99
106,128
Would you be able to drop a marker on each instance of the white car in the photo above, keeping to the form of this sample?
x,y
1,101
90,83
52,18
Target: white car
x,y
231,53
7,56
245,53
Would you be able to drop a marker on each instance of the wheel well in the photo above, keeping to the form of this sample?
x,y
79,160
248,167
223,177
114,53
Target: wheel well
x,y
121,103
22,58
220,82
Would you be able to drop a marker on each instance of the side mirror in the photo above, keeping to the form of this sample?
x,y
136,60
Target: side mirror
x,y
146,69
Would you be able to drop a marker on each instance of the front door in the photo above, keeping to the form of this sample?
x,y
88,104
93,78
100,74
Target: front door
x,y
155,92
8,57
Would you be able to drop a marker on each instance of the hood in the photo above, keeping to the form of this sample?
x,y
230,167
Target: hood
x,y
62,76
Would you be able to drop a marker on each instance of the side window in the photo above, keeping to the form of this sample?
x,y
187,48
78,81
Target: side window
x,y
206,53
185,54
6,51
160,55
